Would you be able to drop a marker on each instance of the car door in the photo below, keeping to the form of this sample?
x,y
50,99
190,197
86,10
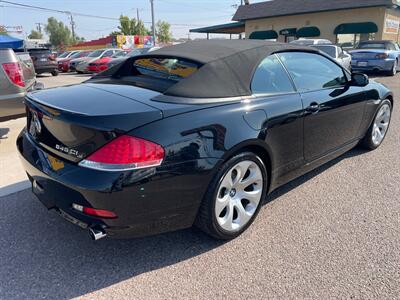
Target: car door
x,y
333,109
277,110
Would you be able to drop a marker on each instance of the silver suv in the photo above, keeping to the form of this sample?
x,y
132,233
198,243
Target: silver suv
x,y
17,77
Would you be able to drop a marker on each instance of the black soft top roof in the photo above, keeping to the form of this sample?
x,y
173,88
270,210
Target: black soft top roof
x,y
227,65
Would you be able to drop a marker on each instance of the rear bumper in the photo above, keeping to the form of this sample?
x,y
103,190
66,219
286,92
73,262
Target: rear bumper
x,y
373,65
46,69
12,106
147,201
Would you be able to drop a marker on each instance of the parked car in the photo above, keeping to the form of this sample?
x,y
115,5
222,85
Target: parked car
x,y
310,42
74,62
82,66
101,64
17,76
337,53
376,56
197,133
133,53
64,55
64,63
347,46
44,61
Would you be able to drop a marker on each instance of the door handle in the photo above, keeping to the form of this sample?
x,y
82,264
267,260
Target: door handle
x,y
313,108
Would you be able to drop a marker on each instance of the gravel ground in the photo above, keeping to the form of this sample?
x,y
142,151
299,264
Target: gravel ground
x,y
333,233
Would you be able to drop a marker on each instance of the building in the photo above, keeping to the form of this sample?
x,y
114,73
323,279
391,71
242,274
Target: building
x,y
340,21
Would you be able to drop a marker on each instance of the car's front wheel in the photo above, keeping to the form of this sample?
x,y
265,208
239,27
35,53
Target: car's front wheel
x,y
54,73
379,127
234,197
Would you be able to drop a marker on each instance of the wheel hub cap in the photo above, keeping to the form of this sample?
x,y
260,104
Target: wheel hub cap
x,y
239,195
381,124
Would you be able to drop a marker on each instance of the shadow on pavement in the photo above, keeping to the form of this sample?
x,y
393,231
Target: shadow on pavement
x,y
4,132
43,256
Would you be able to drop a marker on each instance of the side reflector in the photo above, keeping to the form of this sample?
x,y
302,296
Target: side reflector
x,y
100,213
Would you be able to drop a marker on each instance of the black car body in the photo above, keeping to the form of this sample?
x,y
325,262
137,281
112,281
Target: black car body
x,y
44,61
198,105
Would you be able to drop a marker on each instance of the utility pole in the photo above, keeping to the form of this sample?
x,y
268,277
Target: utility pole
x,y
153,22
39,27
72,26
137,14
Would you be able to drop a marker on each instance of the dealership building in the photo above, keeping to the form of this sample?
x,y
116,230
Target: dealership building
x,y
340,21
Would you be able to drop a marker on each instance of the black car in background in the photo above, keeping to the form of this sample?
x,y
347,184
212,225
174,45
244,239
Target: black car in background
x,y
44,60
197,133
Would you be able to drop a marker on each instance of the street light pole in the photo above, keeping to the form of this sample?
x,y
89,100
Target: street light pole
x,y
152,21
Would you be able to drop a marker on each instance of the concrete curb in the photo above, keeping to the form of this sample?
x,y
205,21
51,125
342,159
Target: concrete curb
x,y
14,188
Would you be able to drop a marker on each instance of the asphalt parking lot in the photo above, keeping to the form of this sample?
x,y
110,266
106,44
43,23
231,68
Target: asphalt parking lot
x,y
333,233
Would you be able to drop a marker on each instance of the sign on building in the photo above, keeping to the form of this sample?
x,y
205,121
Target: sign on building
x,y
392,26
11,29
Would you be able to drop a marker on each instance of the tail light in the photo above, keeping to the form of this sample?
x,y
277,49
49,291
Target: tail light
x,y
101,213
382,56
14,73
125,153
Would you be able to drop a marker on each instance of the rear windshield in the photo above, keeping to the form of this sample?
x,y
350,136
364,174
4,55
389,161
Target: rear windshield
x,y
75,55
165,68
157,73
372,46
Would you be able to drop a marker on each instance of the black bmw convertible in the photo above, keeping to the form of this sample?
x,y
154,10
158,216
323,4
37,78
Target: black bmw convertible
x,y
194,134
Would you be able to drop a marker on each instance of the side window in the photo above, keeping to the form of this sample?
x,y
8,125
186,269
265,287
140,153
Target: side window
x,y
271,78
391,46
397,47
312,71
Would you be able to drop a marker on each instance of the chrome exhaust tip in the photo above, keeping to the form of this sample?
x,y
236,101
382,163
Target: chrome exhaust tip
x,y
97,233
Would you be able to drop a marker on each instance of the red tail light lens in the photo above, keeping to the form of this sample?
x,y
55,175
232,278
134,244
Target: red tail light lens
x,y
125,153
101,213
382,56
14,73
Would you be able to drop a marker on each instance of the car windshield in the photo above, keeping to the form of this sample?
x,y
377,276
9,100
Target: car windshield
x,y
96,53
119,54
330,50
372,46
64,54
75,55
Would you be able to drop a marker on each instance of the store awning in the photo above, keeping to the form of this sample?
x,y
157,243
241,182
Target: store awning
x,y
263,35
311,31
230,28
288,31
353,28
7,41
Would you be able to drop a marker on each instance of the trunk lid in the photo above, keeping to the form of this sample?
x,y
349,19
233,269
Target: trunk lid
x,y
366,54
73,122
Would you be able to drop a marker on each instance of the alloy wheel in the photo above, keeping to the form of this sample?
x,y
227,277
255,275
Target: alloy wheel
x,y
381,124
239,195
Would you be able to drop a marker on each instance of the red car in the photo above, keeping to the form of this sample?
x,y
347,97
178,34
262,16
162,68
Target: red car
x,y
101,64
63,64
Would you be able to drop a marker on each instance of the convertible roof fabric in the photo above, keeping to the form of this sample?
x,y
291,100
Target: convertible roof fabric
x,y
227,65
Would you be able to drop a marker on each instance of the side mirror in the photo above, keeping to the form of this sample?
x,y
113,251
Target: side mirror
x,y
359,79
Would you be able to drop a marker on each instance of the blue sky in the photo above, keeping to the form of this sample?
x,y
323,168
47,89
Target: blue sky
x,y
184,14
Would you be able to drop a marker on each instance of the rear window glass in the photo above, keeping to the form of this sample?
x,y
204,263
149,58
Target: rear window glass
x,y
372,46
165,68
96,53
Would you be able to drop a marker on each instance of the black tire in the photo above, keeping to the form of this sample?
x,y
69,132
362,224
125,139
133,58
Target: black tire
x,y
393,72
367,142
206,219
54,73
79,72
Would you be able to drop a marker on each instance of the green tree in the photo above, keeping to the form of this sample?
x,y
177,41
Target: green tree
x,y
163,32
140,29
35,35
127,26
59,33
